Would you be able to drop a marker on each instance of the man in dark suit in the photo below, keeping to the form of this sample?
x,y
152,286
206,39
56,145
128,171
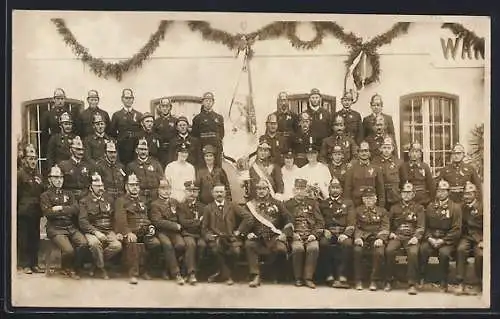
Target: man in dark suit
x,y
376,105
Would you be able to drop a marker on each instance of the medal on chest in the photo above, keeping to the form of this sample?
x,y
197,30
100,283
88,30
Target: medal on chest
x,y
171,124
370,171
142,206
135,117
151,168
84,170
38,180
320,116
65,198
445,213
288,117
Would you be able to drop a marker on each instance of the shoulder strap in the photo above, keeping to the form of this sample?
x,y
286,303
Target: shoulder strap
x,y
263,176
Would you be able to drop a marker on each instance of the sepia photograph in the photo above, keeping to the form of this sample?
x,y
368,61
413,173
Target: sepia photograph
x,y
250,160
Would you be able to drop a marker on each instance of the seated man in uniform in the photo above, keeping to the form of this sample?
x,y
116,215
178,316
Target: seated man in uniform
x,y
472,236
443,228
336,242
338,166
61,209
407,220
165,218
370,236
133,225
96,222
190,218
224,223
308,227
266,237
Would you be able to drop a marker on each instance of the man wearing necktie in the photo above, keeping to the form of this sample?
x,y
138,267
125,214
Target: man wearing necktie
x,y
224,224
376,105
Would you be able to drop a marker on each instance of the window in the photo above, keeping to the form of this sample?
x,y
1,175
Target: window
x,y
298,102
32,114
432,120
184,105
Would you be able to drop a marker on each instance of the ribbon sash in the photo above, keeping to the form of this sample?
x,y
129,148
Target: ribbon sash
x,y
262,219
263,176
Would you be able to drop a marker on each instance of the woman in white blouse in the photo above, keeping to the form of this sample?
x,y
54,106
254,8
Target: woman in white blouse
x,y
180,171
290,172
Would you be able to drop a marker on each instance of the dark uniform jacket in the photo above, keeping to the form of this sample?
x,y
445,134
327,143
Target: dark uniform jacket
x,y
407,220
444,220
87,119
153,141
96,214
348,145
279,145
59,223
50,121
369,125
58,148
360,176
353,124
207,181
77,176
321,123
273,211
224,222
372,223
420,175
112,175
339,171
375,141
190,217
457,176
164,128
95,146
193,145
288,122
271,171
209,128
339,215
149,172
473,221
300,142
306,217
131,214
29,188
165,215
393,177
125,125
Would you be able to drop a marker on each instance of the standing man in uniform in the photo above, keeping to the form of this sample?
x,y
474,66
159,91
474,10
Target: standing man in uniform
x,y
208,126
267,236
370,236
112,172
224,223
288,122
133,226
61,210
275,139
190,218
303,138
363,173
184,137
377,105
336,243
149,135
352,119
472,236
165,218
264,169
407,220
376,139
308,226
391,168
321,118
29,188
88,115
125,124
77,171
457,173
96,222
340,138
443,230
419,175
50,123
95,142
148,171
337,166
58,147
165,128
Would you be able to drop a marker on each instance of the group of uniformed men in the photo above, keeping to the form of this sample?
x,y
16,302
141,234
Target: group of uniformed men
x,y
322,187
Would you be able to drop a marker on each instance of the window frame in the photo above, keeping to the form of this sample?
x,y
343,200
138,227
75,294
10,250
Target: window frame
x,y
426,122
305,96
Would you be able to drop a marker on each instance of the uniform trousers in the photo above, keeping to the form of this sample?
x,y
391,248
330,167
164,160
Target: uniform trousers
x,y
72,243
225,251
391,251
195,249
172,243
269,247
377,259
335,256
28,240
444,254
304,258
135,254
103,250
465,247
